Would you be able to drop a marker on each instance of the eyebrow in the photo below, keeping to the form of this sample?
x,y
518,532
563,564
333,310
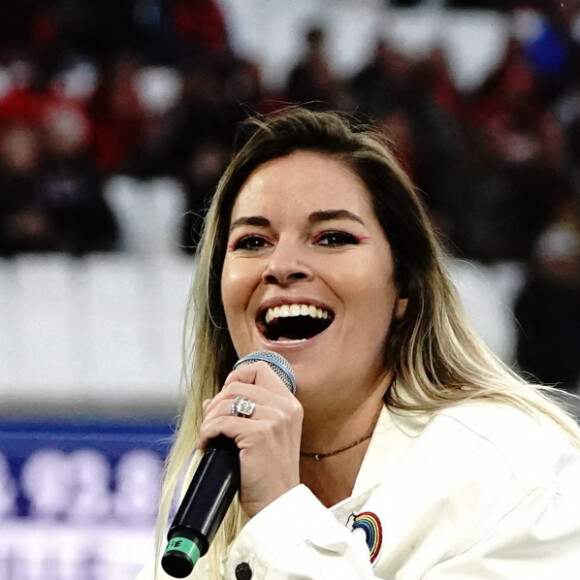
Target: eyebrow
x,y
333,214
313,218
254,220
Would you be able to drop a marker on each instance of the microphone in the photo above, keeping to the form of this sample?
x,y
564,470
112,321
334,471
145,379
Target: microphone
x,y
214,484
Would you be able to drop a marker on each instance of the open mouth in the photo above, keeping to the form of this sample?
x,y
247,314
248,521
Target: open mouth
x,y
294,322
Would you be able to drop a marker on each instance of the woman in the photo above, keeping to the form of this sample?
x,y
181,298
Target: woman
x,y
409,451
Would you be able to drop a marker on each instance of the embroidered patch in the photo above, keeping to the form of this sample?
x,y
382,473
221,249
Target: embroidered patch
x,y
370,524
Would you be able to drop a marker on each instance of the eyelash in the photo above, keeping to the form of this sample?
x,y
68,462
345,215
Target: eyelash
x,y
249,243
330,239
335,239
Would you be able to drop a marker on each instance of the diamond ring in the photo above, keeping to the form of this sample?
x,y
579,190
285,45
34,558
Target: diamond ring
x,y
242,407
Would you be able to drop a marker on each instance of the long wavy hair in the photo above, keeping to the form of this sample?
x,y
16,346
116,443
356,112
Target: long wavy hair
x,y
437,358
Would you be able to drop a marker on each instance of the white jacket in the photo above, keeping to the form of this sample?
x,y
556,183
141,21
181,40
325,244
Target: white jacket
x,y
480,491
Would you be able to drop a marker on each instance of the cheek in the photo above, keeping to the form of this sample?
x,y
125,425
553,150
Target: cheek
x,y
373,293
231,288
237,284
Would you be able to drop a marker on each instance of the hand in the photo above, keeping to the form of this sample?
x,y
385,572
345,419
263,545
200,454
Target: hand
x,y
269,440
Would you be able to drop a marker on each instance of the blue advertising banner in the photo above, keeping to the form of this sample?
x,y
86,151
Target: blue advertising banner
x,y
78,499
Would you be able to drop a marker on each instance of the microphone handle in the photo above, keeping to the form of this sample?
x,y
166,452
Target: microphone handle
x,y
203,507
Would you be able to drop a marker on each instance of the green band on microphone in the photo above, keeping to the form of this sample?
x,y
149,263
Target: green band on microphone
x,y
185,546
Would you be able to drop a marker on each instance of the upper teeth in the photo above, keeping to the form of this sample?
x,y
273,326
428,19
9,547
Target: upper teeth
x,y
287,310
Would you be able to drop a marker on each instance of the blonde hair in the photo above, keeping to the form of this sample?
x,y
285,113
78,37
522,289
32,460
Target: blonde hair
x,y
437,358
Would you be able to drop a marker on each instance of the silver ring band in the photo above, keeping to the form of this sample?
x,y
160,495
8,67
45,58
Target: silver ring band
x,y
242,407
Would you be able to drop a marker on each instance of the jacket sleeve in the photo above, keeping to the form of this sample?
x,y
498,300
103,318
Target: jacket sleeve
x,y
297,538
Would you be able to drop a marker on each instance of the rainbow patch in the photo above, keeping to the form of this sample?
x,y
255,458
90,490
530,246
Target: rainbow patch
x,y
370,524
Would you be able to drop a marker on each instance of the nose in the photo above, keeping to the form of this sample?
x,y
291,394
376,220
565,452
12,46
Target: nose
x,y
286,264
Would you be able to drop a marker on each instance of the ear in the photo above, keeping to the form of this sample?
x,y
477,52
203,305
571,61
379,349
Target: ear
x,y
400,308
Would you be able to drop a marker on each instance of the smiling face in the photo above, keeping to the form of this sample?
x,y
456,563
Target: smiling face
x,y
308,273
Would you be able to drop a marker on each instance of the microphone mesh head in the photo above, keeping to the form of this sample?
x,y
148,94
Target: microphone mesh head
x,y
277,363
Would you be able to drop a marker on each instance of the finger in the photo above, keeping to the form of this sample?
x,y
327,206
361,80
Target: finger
x,y
236,428
237,389
227,406
258,373
244,374
264,398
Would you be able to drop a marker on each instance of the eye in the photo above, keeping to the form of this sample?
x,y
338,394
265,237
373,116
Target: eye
x,y
250,242
335,239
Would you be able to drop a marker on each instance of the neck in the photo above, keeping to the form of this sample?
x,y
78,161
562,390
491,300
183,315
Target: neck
x,y
329,464
338,431
333,478
333,425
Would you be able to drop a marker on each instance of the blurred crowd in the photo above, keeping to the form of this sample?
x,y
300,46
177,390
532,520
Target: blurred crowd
x,y
498,166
